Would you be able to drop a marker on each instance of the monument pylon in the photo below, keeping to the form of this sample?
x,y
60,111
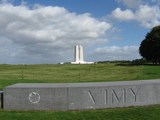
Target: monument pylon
x,y
78,56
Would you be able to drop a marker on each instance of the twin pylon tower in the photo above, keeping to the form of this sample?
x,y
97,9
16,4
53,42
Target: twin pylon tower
x,y
78,56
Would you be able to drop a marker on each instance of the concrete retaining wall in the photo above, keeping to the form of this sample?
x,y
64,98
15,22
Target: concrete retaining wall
x,y
1,99
79,96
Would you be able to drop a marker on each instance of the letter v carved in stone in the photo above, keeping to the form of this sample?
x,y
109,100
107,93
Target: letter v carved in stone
x,y
97,96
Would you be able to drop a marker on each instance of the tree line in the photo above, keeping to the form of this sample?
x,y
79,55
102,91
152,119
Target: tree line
x,y
150,47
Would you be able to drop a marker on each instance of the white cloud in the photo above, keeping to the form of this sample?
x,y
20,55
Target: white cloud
x,y
45,33
123,15
147,16
117,53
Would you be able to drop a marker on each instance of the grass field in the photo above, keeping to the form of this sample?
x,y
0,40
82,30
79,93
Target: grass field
x,y
131,113
10,74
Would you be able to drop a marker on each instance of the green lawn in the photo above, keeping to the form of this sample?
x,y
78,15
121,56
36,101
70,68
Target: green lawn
x,y
131,113
10,74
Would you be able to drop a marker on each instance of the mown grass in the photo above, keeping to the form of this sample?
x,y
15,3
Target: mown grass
x,y
131,113
10,74
49,73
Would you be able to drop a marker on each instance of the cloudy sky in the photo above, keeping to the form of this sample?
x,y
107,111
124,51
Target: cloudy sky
x,y
46,31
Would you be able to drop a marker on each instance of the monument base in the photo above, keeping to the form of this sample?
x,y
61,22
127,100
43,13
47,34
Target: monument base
x,y
82,62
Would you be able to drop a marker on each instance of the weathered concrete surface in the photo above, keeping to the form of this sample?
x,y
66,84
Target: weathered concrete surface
x,y
1,99
79,96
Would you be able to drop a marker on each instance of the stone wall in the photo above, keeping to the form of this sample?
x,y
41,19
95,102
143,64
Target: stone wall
x,y
80,96
1,99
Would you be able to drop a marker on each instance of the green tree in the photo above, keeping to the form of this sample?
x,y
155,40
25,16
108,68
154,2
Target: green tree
x,y
150,46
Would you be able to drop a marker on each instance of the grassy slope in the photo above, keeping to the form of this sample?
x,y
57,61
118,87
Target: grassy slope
x,y
10,74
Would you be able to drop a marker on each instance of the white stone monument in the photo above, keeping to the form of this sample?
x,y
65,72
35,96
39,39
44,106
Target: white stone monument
x,y
78,56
